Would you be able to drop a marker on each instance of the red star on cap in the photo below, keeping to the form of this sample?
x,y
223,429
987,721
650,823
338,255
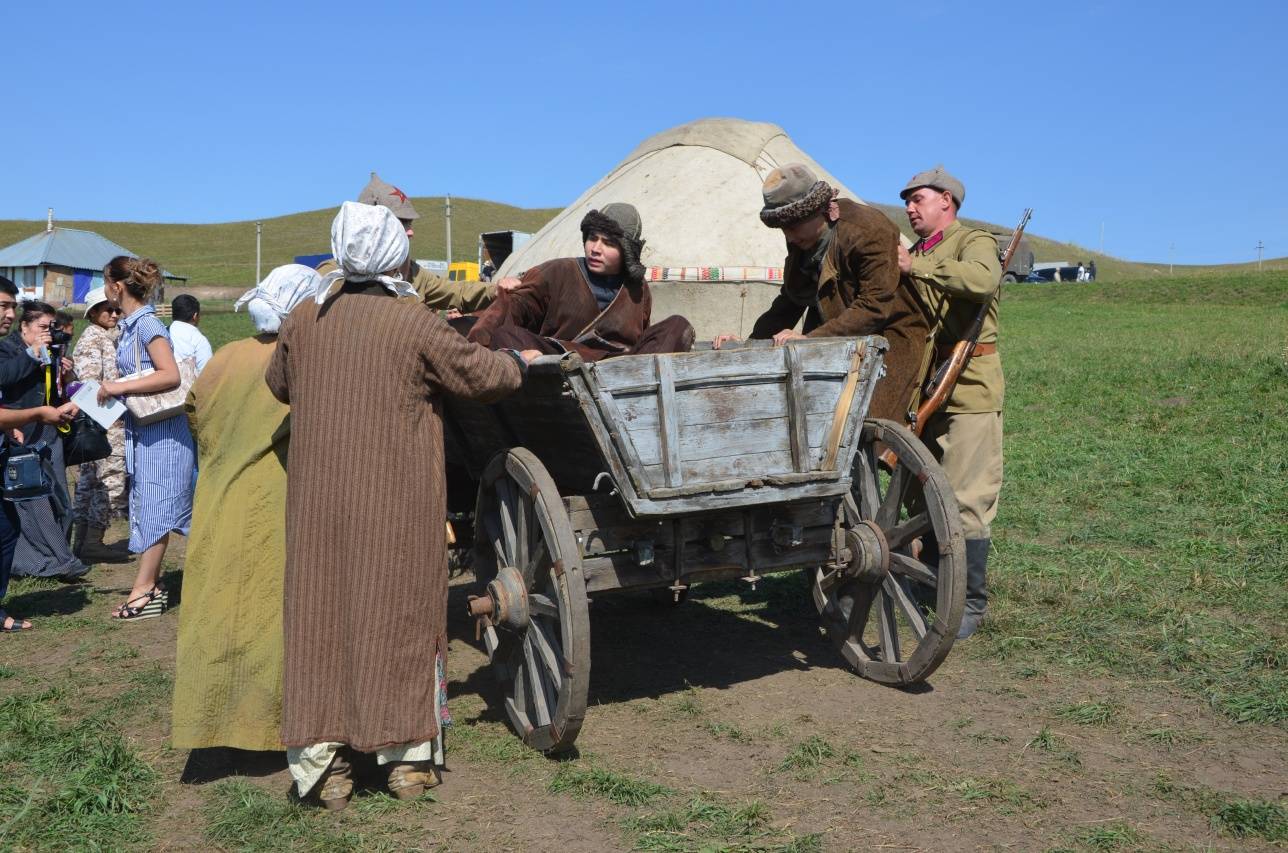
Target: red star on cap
x,y
402,196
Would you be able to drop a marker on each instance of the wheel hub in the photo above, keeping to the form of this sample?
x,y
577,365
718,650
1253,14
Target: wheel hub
x,y
505,601
869,552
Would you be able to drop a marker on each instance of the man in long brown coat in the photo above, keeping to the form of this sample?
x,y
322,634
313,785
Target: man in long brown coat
x,y
842,273
598,305
366,570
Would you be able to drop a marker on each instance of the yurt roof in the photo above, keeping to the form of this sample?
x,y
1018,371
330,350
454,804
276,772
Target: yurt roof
x,y
698,190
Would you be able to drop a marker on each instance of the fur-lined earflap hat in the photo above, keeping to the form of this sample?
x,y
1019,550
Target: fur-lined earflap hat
x,y
621,224
793,194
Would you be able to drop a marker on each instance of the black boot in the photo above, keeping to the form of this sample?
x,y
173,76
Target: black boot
x,y
976,586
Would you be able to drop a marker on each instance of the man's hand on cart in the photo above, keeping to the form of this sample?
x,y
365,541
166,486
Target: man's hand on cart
x,y
786,335
720,340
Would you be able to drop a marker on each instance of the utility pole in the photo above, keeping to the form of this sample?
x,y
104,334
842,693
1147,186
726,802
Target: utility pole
x,y
449,232
1260,246
1102,237
1171,252
259,232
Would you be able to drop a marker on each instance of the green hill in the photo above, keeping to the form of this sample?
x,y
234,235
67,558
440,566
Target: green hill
x,y
224,253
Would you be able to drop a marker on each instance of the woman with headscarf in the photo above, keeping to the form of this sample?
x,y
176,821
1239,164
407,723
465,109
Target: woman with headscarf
x,y
228,673
366,559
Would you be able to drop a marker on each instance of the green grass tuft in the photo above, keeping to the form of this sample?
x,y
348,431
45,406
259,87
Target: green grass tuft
x,y
606,785
707,823
1253,819
1088,713
1112,836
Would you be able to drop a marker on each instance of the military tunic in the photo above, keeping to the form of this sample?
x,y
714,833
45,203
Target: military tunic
x,y
100,486
954,274
439,293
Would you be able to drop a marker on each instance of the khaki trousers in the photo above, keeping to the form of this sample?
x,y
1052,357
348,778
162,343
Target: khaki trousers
x,y
969,448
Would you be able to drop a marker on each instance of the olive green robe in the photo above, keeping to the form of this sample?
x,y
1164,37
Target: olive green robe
x,y
228,678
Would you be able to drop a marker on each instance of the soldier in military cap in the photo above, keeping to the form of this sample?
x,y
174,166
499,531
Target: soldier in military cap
x,y
842,273
956,270
435,292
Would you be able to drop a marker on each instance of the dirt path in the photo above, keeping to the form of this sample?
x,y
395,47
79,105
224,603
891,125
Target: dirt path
x,y
738,698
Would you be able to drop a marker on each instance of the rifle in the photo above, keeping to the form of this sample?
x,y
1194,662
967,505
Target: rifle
x,y
940,386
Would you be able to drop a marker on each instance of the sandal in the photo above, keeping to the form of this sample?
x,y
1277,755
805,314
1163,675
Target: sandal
x,y
16,624
152,603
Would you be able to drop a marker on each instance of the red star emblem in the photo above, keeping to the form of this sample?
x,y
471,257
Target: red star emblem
x,y
402,196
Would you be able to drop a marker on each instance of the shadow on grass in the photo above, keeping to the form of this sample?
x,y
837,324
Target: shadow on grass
x,y
56,601
215,763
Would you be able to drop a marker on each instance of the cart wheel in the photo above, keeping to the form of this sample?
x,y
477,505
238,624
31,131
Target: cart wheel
x,y
895,618
538,631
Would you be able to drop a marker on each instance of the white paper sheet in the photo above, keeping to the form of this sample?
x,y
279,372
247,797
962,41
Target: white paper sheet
x,y
86,397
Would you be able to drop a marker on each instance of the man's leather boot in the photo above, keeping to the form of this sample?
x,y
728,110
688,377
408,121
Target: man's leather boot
x,y
976,586
78,537
95,550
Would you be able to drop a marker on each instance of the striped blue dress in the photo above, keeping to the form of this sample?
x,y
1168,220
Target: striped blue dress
x,y
159,457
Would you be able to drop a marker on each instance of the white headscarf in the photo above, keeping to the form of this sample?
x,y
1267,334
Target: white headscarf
x,y
283,289
367,240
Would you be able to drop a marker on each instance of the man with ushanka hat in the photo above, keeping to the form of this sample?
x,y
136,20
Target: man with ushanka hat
x,y
956,270
435,292
841,273
598,305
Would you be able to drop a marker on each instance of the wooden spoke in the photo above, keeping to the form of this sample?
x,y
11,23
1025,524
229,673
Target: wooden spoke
x,y
905,531
541,605
894,590
545,648
914,569
889,632
535,682
883,632
544,665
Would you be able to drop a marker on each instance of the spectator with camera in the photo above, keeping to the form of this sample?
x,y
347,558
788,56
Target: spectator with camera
x,y
100,485
34,368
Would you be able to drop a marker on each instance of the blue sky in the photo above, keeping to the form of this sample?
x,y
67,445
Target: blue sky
x,y
1166,122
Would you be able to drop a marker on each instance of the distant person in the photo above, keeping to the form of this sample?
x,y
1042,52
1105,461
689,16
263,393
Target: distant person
x,y
65,323
100,485
29,378
1091,271
188,340
437,293
228,673
956,270
842,275
1082,271
158,456
598,305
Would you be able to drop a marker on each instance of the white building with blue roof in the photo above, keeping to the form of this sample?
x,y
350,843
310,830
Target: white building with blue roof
x,y
61,265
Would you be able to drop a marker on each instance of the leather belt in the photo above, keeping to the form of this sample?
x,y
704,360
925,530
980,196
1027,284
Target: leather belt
x,y
943,353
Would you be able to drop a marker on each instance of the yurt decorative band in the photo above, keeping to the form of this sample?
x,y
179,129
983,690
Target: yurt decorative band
x,y
714,274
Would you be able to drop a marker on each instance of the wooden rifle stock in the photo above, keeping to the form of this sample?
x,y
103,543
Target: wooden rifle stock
x,y
946,375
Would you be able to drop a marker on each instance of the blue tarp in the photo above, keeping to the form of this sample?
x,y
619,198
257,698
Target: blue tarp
x,y
81,285
312,260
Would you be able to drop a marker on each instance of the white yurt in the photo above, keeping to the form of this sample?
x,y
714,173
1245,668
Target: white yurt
x,y
697,188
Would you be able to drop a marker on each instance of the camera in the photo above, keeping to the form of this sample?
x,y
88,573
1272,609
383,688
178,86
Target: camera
x,y
58,343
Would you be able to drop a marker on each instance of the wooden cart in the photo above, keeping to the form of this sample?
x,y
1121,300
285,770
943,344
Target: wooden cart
x,y
655,472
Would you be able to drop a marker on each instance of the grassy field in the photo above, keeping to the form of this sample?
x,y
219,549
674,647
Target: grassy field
x,y
1129,692
224,253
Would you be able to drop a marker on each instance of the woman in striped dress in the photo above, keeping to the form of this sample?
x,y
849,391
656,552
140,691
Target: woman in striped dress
x,y
159,457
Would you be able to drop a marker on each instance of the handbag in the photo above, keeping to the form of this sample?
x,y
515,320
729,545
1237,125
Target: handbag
x,y
150,408
27,475
86,441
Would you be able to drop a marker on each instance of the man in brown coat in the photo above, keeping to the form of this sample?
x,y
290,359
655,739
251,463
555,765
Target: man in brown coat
x,y
598,305
842,273
365,588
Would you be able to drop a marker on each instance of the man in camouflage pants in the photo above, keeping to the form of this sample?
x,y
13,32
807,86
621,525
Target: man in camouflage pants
x,y
100,486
